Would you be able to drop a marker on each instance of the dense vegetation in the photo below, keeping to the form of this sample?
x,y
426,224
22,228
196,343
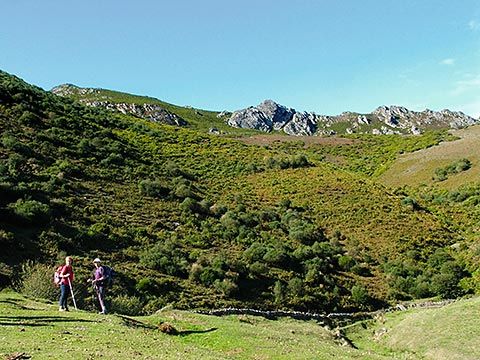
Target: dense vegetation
x,y
205,221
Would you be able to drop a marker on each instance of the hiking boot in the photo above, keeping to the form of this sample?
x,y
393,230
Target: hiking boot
x,y
61,309
66,309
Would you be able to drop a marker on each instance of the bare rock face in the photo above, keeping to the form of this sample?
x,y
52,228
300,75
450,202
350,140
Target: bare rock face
x,y
144,111
398,116
279,114
266,117
250,118
304,124
269,116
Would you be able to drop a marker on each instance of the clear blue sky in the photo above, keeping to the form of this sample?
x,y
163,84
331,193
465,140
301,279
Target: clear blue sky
x,y
323,56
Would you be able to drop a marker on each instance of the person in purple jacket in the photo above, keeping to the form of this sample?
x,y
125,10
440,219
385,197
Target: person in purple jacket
x,y
99,284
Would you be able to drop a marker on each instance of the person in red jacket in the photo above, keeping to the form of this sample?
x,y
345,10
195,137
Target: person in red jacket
x,y
66,275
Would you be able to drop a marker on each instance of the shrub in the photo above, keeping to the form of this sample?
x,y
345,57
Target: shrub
x,y
226,286
255,252
275,256
190,205
126,305
346,262
37,281
29,118
411,203
258,269
153,188
147,286
360,296
31,210
209,275
166,257
295,287
456,167
279,292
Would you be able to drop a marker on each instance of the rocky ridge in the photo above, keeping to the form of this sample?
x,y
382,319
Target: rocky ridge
x,y
146,111
269,116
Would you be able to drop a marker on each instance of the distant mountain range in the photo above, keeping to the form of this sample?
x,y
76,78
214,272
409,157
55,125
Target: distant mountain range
x,y
270,116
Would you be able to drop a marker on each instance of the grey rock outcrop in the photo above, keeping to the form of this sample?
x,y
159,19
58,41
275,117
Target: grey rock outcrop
x,y
144,111
270,116
301,124
152,112
279,114
266,117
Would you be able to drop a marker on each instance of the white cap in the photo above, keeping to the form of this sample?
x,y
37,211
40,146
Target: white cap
x,y
97,260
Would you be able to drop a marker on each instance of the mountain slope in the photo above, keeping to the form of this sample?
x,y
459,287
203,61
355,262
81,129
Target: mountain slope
x,y
201,220
420,167
148,108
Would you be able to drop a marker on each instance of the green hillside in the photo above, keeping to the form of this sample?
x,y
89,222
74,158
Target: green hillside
x,y
424,166
199,119
448,332
198,220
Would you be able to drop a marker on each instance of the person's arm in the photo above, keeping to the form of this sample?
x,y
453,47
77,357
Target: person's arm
x,y
66,275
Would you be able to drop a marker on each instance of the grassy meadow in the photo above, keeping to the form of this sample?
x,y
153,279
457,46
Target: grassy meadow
x,y
37,329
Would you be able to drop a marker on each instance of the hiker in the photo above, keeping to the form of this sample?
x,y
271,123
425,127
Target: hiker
x,y
99,282
66,280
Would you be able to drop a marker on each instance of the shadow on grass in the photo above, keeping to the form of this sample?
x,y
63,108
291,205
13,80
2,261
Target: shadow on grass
x,y
36,320
15,303
170,330
188,332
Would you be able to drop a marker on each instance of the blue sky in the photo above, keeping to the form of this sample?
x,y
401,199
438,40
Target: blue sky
x,y
322,56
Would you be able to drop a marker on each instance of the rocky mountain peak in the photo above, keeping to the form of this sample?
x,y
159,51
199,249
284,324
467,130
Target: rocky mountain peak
x,y
393,119
269,116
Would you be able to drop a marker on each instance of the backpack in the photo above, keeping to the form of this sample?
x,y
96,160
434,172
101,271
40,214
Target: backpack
x,y
108,275
56,276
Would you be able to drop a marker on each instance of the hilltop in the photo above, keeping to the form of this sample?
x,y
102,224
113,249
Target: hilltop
x,y
202,220
270,116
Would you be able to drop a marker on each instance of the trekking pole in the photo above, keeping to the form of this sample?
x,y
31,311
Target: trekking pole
x,y
73,296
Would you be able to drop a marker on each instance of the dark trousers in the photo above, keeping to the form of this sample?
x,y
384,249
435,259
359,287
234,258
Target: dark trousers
x,y
64,292
101,297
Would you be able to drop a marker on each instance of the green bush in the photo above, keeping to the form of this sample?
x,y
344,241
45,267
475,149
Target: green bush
x,y
126,305
166,257
254,253
295,287
226,286
279,292
37,281
153,188
456,167
360,296
31,210
147,286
